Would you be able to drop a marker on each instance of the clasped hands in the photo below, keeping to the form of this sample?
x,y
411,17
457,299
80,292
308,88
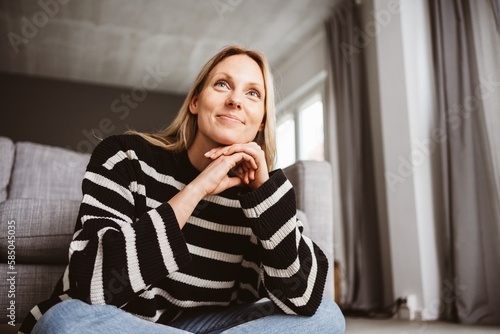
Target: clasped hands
x,y
247,161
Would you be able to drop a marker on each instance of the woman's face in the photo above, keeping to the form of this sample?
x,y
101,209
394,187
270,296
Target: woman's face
x,y
230,107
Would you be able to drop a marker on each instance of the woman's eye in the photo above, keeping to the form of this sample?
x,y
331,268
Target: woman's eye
x,y
254,93
221,83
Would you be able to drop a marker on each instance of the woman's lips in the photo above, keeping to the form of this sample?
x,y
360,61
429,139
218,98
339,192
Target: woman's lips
x,y
230,118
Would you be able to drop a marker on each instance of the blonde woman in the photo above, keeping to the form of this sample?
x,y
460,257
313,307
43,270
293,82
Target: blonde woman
x,y
183,231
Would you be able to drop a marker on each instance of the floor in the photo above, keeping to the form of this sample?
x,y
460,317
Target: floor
x,y
393,326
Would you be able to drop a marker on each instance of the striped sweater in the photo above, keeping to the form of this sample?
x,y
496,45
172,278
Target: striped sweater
x,y
237,246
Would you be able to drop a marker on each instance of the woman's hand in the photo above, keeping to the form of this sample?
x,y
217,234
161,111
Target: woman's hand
x,y
214,178
252,172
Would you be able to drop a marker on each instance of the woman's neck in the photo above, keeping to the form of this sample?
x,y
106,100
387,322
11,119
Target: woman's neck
x,y
196,153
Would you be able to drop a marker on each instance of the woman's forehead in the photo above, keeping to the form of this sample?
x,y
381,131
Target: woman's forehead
x,y
241,66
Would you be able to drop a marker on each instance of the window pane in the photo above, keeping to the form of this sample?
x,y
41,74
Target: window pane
x,y
311,131
285,143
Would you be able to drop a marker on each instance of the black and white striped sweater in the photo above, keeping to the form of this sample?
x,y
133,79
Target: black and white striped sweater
x,y
237,246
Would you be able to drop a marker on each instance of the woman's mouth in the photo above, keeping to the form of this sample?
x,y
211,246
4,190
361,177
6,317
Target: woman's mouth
x,y
230,118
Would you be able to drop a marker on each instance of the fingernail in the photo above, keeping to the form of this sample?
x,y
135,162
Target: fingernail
x,y
207,154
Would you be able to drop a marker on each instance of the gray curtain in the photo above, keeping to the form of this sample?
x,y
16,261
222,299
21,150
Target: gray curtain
x,y
469,193
497,13
348,93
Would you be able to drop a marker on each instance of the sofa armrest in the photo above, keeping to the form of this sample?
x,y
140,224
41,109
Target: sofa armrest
x,y
312,182
6,162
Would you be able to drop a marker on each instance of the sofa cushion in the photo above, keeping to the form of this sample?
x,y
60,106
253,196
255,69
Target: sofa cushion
x,y
34,283
43,229
7,154
47,172
312,181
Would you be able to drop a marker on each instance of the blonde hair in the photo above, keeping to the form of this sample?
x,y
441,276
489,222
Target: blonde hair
x,y
180,134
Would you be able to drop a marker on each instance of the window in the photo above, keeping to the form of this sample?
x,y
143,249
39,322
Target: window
x,y
285,142
299,130
311,139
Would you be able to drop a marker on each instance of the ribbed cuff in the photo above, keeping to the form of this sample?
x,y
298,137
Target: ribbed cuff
x,y
257,196
175,237
270,206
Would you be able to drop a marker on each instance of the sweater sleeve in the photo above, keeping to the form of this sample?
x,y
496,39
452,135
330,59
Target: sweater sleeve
x,y
114,255
294,268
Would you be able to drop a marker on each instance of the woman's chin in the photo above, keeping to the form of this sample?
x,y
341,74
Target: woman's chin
x,y
230,141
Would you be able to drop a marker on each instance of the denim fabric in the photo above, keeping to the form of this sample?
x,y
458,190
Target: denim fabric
x,y
75,316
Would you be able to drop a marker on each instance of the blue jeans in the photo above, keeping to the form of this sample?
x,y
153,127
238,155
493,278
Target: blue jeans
x,y
75,316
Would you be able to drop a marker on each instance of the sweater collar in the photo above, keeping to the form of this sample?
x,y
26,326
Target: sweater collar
x,y
186,167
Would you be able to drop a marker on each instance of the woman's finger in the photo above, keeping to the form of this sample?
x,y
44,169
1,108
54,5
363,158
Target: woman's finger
x,y
216,152
251,148
239,159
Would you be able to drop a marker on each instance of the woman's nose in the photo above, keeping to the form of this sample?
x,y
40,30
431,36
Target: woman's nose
x,y
233,101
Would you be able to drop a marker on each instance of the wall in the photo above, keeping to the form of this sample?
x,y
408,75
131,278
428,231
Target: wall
x,y
63,113
403,109
291,74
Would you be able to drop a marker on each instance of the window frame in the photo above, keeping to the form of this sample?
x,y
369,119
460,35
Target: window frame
x,y
291,105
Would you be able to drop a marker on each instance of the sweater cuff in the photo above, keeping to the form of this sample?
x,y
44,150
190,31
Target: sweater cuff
x,y
270,206
255,198
174,248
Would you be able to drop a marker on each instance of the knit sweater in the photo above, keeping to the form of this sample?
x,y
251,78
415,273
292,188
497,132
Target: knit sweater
x,y
129,251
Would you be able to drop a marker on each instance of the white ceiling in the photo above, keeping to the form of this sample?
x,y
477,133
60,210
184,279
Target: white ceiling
x,y
115,42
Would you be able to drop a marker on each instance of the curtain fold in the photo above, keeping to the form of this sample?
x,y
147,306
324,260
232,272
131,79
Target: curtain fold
x,y
469,192
348,91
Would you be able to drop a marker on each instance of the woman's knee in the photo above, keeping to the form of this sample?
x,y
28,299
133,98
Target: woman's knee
x,y
330,314
58,318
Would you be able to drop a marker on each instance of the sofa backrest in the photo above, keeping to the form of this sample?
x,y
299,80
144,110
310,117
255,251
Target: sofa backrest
x,y
46,172
40,192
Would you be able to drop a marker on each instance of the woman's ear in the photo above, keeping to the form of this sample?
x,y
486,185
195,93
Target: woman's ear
x,y
261,126
193,105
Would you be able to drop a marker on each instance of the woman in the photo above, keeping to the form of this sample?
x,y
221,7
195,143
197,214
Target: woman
x,y
184,230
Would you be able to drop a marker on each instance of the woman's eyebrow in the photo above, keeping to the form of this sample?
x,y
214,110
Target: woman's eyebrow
x,y
229,76
223,74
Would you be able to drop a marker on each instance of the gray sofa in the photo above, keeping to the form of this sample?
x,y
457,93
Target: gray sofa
x,y
40,194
